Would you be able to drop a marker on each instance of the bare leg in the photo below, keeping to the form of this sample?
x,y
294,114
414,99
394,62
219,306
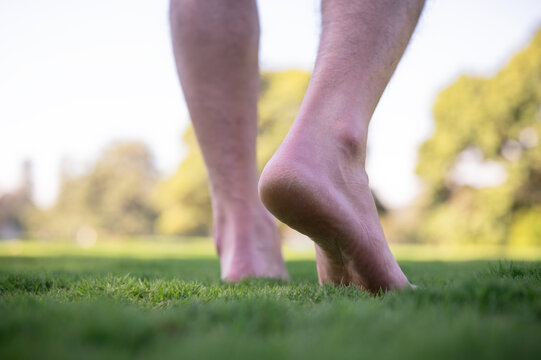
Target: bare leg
x,y
316,181
216,51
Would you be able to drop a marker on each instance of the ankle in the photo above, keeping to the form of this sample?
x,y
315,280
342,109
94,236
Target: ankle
x,y
233,206
351,140
342,130
234,198
234,221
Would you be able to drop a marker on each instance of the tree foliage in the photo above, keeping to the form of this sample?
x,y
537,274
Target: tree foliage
x,y
183,200
112,198
15,205
500,118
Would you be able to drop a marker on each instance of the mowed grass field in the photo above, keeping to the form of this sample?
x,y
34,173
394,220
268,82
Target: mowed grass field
x,y
141,300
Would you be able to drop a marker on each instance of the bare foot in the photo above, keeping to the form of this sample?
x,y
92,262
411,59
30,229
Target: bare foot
x,y
316,184
248,243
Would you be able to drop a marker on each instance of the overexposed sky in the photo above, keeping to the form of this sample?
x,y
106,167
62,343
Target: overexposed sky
x,y
76,75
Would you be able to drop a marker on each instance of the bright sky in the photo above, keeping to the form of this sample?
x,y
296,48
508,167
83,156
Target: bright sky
x,y
76,75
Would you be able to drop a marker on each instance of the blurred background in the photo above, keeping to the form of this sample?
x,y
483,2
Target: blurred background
x,y
96,143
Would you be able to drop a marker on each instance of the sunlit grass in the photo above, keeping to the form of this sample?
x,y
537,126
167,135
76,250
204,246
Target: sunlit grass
x,y
129,248
202,247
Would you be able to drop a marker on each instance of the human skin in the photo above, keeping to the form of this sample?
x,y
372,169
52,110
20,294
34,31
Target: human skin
x,y
316,181
215,44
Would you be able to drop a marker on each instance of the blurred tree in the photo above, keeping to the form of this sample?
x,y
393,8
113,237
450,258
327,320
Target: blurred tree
x,y
15,205
184,200
500,119
113,198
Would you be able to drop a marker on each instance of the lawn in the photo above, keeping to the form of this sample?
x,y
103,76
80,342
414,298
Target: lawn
x,y
129,303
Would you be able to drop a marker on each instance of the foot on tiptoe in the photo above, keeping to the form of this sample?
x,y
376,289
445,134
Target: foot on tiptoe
x,y
316,184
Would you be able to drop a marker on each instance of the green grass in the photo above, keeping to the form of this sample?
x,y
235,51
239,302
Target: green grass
x,y
126,307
